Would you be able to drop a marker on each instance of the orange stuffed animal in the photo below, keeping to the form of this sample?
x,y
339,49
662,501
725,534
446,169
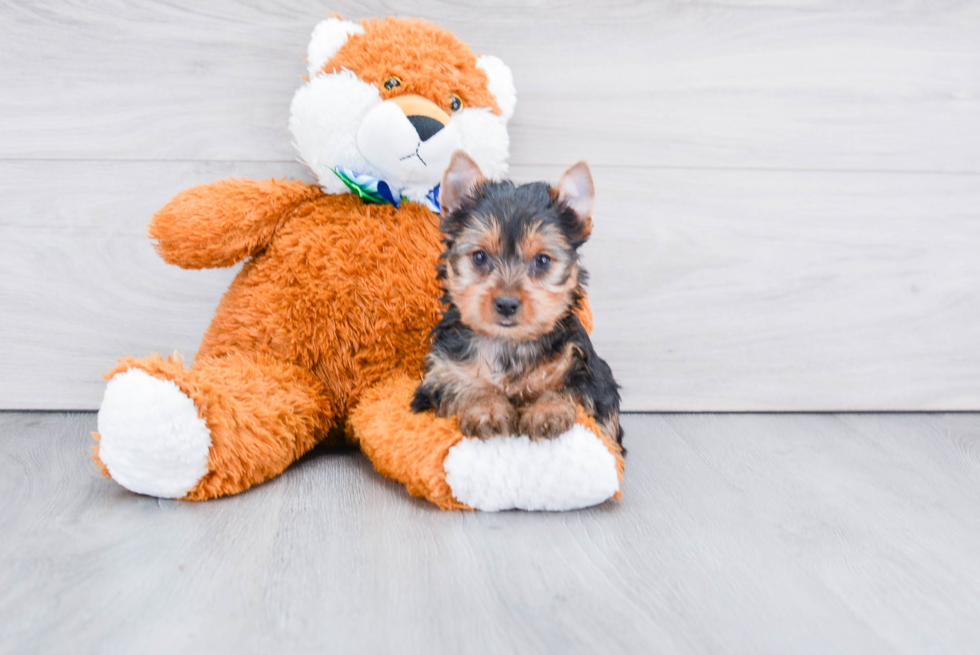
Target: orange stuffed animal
x,y
323,332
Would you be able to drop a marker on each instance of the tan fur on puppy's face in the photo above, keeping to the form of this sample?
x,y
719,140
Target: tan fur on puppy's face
x,y
545,293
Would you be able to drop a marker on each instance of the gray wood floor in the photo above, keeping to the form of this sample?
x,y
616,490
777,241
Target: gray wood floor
x,y
738,534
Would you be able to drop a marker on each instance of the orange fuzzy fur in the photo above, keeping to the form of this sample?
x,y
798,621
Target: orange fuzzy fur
x,y
338,299
428,60
410,448
407,447
325,328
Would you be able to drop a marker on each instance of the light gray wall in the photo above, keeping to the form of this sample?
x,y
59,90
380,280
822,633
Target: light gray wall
x,y
789,193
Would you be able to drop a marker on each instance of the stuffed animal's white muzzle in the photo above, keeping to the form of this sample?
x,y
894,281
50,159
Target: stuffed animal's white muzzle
x,y
410,141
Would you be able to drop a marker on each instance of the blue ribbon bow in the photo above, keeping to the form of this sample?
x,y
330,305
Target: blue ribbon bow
x,y
373,189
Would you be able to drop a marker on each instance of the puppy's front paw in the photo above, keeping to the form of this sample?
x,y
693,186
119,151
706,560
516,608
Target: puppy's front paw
x,y
547,417
488,417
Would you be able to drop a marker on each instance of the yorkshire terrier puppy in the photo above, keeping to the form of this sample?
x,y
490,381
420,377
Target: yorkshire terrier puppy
x,y
509,355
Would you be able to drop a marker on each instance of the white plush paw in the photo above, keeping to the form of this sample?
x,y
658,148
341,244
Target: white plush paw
x,y
571,471
152,440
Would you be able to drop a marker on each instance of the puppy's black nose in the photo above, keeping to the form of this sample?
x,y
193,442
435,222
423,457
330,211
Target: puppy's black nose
x,y
507,305
425,126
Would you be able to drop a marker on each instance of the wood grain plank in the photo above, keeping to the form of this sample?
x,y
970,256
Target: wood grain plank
x,y
87,242
762,534
713,290
816,85
880,509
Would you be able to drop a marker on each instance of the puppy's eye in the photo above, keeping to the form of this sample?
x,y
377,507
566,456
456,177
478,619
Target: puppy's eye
x,y
542,262
392,82
455,103
480,258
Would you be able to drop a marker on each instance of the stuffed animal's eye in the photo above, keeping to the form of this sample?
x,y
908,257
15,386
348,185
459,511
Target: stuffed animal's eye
x,y
542,262
480,258
455,103
392,82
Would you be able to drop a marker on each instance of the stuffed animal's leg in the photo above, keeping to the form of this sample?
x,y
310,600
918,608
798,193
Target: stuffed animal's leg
x,y
211,430
406,447
429,455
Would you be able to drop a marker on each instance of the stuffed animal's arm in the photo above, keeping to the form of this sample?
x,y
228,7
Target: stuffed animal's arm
x,y
219,224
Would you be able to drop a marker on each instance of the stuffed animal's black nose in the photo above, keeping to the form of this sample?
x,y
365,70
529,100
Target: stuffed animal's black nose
x,y
425,126
507,305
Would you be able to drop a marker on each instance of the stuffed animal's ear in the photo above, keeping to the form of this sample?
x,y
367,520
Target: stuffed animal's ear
x,y
458,182
500,82
575,189
328,37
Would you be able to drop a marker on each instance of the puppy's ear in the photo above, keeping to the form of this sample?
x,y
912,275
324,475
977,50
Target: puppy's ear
x,y
575,189
458,182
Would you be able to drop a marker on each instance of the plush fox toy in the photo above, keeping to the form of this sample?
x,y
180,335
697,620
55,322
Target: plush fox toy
x,y
322,334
